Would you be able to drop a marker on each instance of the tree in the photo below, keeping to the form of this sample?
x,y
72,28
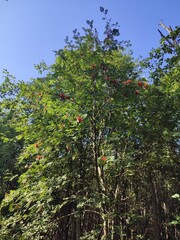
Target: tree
x,y
100,153
9,146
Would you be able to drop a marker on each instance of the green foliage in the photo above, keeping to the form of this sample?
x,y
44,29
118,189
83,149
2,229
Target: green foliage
x,y
9,149
100,145
166,57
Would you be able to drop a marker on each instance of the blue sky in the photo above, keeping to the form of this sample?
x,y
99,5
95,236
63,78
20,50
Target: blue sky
x,y
31,29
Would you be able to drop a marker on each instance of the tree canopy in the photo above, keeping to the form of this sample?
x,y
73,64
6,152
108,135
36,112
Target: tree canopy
x,y
91,150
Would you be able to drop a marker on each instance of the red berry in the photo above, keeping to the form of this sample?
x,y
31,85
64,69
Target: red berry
x,y
127,82
103,158
36,145
140,84
115,81
62,95
79,119
137,92
39,157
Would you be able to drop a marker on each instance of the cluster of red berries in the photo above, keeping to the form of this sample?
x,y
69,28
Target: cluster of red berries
x,y
129,81
142,84
63,96
126,83
39,157
114,81
36,145
103,158
79,119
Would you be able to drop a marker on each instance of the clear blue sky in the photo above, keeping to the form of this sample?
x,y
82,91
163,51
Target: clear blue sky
x,y
31,29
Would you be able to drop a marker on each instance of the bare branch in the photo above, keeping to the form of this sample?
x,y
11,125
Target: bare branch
x,y
162,35
169,30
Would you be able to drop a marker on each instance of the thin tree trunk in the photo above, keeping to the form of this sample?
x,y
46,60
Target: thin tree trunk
x,y
155,220
78,228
